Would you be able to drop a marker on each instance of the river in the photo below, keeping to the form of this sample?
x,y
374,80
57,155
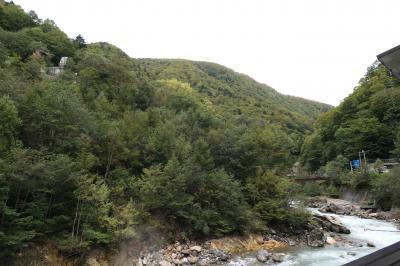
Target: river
x,y
331,255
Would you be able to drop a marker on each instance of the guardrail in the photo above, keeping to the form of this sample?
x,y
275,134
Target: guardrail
x,y
383,257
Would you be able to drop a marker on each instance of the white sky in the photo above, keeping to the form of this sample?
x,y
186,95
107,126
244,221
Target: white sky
x,y
316,49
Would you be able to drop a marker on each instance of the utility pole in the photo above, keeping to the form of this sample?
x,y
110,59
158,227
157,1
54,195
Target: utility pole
x,y
365,160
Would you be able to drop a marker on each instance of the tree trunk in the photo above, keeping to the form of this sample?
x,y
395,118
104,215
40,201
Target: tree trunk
x,y
109,160
4,207
49,206
17,199
24,202
75,218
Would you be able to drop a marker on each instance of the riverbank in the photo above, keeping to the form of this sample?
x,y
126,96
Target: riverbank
x,y
367,235
343,207
338,231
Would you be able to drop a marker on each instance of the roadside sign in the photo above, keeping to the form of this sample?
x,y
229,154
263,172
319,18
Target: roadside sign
x,y
356,164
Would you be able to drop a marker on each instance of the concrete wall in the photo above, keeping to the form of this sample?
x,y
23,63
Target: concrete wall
x,y
355,196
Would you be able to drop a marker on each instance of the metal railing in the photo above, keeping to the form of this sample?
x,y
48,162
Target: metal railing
x,y
383,257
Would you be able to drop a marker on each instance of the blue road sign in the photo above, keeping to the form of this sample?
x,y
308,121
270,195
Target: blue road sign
x,y
356,164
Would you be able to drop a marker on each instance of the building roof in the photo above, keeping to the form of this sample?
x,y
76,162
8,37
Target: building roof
x,y
391,60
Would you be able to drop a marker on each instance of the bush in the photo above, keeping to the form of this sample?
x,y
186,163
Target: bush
x,y
385,188
270,197
312,189
199,207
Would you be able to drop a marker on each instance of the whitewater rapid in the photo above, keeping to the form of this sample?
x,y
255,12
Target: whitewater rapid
x,y
362,230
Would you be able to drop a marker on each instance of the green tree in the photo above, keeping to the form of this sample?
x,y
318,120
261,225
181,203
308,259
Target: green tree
x,y
13,18
10,124
269,196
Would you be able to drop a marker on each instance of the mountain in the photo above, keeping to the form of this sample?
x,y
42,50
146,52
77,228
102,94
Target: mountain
x,y
368,120
105,148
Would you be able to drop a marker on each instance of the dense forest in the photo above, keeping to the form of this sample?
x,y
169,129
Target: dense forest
x,y
113,144
367,120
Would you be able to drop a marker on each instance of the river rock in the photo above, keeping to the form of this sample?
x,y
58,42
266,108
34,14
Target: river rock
x,y
351,253
316,238
330,240
331,223
193,260
277,257
196,248
263,255
185,261
185,252
337,208
92,262
316,202
370,244
165,263
139,262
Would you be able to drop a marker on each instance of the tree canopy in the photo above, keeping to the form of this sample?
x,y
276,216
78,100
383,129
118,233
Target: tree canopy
x,y
113,143
367,120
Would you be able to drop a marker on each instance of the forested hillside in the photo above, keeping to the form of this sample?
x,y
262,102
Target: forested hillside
x,y
367,120
113,144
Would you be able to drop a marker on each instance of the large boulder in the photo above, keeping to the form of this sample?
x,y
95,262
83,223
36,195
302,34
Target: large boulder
x,y
263,255
340,207
277,257
316,202
331,223
316,238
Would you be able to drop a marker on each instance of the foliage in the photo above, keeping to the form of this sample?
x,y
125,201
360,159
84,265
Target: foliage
x,y
192,149
13,18
9,124
368,120
385,188
270,197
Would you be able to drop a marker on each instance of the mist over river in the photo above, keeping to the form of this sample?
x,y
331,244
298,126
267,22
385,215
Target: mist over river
x,y
362,230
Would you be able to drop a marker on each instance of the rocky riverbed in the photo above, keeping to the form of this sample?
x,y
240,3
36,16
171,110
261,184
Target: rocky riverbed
x,y
268,248
338,232
342,207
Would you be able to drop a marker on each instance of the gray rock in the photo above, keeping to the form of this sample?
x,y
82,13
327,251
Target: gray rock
x,y
193,260
196,248
204,262
351,253
370,244
263,255
185,252
139,262
331,223
165,263
277,257
316,238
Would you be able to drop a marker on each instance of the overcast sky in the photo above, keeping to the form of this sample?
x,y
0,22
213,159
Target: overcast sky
x,y
316,49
